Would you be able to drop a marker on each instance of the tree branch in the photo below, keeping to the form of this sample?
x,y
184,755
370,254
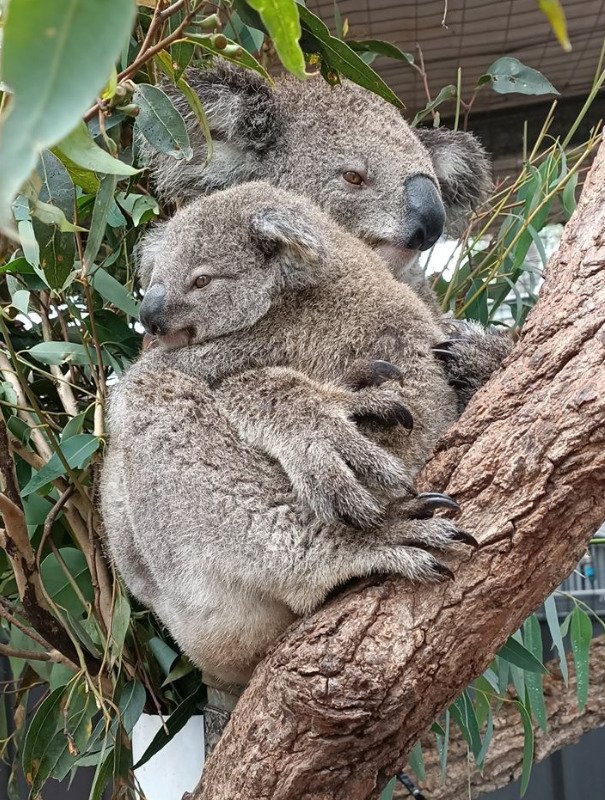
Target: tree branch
x,y
335,708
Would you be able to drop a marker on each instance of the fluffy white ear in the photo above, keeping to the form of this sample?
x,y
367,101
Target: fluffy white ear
x,y
244,123
463,169
288,234
147,250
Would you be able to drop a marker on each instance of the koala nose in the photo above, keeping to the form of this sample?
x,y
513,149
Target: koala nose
x,y
152,309
425,214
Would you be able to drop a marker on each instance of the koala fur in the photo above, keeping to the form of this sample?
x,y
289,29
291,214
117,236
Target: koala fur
x,y
261,466
303,136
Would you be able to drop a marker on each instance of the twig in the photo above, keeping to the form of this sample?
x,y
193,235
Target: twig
x,y
33,655
33,634
147,54
10,375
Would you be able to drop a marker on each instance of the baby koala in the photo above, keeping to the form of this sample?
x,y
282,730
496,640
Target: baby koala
x,y
261,455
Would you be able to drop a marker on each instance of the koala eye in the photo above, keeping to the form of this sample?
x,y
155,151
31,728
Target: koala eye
x,y
201,281
353,177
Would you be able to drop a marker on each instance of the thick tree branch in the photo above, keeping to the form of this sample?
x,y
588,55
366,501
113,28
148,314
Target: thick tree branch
x,y
335,708
566,724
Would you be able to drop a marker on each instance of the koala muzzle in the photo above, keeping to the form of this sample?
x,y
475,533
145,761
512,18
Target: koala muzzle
x,y
425,214
152,310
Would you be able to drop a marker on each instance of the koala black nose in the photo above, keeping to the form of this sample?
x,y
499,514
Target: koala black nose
x,y
152,309
425,214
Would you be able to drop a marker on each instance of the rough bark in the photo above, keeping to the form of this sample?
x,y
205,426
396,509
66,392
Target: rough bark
x,y
334,709
566,725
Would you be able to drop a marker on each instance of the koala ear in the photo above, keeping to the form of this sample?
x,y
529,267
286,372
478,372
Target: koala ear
x,y
244,123
287,234
147,250
463,169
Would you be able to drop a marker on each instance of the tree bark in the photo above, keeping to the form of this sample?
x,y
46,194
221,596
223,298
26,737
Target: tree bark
x,y
566,725
334,709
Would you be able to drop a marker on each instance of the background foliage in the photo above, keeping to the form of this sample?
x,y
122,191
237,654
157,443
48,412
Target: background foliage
x,y
79,77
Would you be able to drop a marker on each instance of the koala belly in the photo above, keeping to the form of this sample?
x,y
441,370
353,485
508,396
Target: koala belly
x,y
189,513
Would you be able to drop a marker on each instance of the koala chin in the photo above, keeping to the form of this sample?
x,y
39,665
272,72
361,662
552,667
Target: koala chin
x,y
254,471
394,187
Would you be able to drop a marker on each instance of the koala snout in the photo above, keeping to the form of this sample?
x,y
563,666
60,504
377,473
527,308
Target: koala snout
x,y
425,214
152,310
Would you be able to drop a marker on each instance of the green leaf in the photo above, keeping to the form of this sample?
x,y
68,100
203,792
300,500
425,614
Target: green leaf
x,y
281,19
447,93
77,452
58,85
131,705
580,634
380,48
515,653
63,353
59,730
141,207
27,237
160,123
112,290
232,52
553,10
552,618
58,585
120,621
164,654
569,195
389,790
416,762
338,56
250,38
533,680
20,300
528,746
80,147
181,668
175,722
509,75
98,223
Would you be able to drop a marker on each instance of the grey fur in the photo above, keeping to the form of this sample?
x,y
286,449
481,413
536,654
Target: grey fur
x,y
302,136
235,463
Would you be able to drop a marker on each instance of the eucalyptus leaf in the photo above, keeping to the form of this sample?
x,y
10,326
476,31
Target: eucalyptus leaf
x,y
338,56
508,75
58,585
231,52
281,20
77,451
80,147
515,653
63,353
98,223
58,85
552,619
378,47
114,292
160,123
528,746
580,635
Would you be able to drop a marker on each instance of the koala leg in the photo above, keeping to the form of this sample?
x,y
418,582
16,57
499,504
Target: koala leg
x,y
471,355
309,428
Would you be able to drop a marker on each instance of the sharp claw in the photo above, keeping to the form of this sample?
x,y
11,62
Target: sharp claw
x,y
397,415
444,571
374,373
438,500
466,538
442,353
404,417
385,371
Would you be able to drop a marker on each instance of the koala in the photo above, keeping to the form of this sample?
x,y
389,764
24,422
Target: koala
x,y
353,154
263,453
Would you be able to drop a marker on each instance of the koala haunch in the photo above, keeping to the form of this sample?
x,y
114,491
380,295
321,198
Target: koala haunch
x,y
238,490
353,154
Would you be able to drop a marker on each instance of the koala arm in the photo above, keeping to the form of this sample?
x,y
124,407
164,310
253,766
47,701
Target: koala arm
x,y
471,355
310,429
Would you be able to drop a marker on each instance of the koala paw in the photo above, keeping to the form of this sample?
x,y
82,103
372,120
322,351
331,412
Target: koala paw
x,y
471,355
373,402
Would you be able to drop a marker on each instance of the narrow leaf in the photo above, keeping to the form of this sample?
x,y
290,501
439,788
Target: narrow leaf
x,y
80,147
580,634
515,653
528,746
552,618
77,451
98,223
281,19
160,123
553,10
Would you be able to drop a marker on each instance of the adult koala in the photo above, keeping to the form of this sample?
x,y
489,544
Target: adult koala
x,y
353,154
238,489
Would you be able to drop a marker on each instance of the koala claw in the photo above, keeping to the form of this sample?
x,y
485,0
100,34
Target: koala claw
x,y
444,572
432,500
397,414
466,538
442,350
373,373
